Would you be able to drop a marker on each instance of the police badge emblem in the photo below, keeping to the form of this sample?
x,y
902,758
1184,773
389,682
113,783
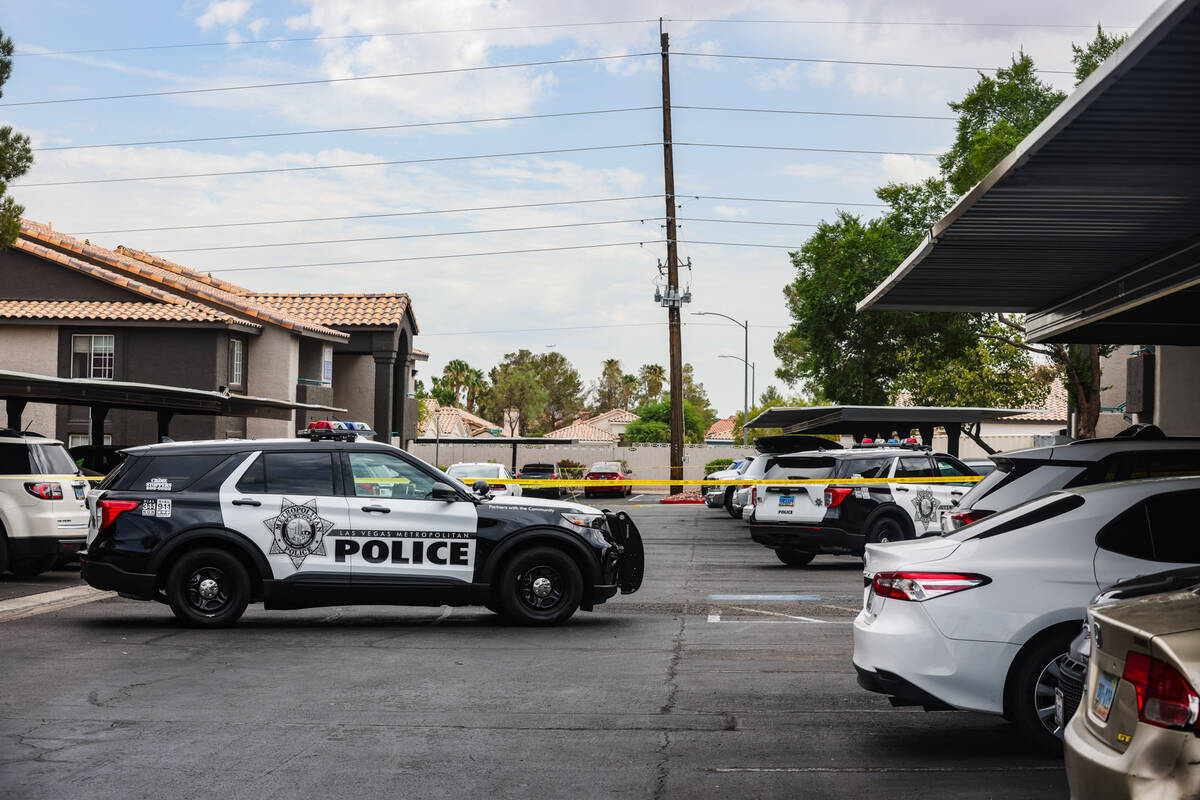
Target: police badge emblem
x,y
925,505
298,531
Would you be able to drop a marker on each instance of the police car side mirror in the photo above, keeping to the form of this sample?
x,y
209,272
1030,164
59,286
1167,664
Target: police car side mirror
x,y
444,491
481,487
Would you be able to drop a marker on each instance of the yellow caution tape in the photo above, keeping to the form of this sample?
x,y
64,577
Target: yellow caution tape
x,y
763,482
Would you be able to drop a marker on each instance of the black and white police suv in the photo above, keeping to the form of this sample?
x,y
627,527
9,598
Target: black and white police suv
x,y
208,527
799,521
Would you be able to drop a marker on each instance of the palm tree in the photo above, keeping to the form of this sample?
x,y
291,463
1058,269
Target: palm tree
x,y
454,376
653,377
629,384
476,384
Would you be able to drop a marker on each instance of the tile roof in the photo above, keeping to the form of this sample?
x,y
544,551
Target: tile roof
x,y
341,310
108,310
165,276
584,432
617,416
721,429
1053,409
448,418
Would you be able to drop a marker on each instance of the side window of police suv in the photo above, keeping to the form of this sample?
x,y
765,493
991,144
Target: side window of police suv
x,y
876,467
386,475
168,473
294,473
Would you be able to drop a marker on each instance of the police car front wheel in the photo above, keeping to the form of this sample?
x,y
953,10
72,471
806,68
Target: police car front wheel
x,y
208,588
540,586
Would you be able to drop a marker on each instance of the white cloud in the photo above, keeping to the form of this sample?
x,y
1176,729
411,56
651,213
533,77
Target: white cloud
x,y
810,170
907,169
257,26
776,78
729,212
223,12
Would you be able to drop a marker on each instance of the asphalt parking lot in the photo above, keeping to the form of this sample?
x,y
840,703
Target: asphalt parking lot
x,y
684,689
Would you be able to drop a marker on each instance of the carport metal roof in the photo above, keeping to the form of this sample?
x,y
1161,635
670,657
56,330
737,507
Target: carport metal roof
x,y
1091,226
515,441
874,420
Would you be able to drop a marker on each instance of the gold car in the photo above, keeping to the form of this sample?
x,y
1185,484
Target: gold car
x,y
1136,733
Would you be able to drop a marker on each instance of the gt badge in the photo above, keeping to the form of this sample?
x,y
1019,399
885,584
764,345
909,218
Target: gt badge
x,y
298,531
925,507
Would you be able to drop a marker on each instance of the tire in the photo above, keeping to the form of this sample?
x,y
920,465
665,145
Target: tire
x,y
1034,679
729,505
887,529
795,558
520,587
30,567
587,493
3,552
188,588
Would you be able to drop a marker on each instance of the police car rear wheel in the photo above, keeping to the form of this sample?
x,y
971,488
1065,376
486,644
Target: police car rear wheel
x,y
208,588
541,586
795,558
886,529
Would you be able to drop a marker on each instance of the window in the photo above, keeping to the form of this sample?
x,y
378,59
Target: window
x,y
1173,528
175,473
237,363
81,439
327,364
1145,464
386,475
93,356
14,459
799,467
948,467
866,467
1128,534
1022,516
914,467
294,473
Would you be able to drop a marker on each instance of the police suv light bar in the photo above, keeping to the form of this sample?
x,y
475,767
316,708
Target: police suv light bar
x,y
335,429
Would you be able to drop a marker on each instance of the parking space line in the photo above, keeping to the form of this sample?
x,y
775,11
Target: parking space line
x,y
45,602
775,614
791,621
782,598
1015,768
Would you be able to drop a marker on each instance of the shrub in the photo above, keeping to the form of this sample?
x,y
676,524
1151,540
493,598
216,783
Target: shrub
x,y
571,469
716,464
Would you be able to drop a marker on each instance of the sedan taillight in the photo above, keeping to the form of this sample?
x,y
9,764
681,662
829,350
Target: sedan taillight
x,y
919,586
44,491
961,518
1164,697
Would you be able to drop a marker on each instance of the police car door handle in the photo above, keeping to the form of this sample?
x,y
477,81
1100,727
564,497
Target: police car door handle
x,y
245,501
901,489
380,509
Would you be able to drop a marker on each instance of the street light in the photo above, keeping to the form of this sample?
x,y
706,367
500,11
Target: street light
x,y
753,374
745,369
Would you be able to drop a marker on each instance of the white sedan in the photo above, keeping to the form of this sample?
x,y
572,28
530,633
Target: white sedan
x,y
981,618
495,474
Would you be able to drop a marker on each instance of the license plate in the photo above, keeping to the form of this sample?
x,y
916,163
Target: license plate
x,y
1059,714
787,500
79,492
1106,689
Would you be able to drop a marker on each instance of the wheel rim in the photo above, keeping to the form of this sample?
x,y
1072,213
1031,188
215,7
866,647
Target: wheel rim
x,y
1048,680
888,533
207,590
540,587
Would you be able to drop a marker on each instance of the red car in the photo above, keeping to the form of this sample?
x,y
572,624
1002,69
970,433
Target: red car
x,y
608,471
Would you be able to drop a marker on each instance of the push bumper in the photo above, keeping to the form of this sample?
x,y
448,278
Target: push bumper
x,y
632,565
134,585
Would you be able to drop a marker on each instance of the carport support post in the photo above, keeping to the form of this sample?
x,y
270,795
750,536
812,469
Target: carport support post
x,y
16,408
926,432
514,464
96,415
953,431
164,424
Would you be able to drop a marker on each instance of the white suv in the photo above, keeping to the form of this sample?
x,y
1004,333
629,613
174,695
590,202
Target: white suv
x,y
42,510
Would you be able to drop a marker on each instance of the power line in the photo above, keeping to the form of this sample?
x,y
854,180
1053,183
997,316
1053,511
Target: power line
x,y
805,149
432,258
407,236
899,23
861,63
400,162
744,244
323,80
373,216
812,113
346,130
292,40
389,214
745,222
594,327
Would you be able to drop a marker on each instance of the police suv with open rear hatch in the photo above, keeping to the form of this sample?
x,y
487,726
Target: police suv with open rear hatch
x,y
798,521
326,519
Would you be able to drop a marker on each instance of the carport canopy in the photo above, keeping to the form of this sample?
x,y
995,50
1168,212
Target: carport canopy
x,y
20,388
515,441
881,421
1091,226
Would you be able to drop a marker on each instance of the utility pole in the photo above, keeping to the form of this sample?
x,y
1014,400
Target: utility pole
x,y
673,293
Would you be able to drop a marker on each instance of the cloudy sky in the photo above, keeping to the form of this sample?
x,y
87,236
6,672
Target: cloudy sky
x,y
592,298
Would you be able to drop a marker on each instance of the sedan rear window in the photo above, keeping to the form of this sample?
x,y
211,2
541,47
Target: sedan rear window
x,y
1022,516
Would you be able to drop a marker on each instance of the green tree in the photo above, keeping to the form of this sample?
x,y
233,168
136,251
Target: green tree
x,y
515,387
629,387
654,424
771,398
652,377
442,392
560,381
610,385
16,157
475,384
693,392
1091,55
996,114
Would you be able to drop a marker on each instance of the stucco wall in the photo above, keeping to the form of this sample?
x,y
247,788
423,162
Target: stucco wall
x,y
354,386
31,348
1177,390
273,358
